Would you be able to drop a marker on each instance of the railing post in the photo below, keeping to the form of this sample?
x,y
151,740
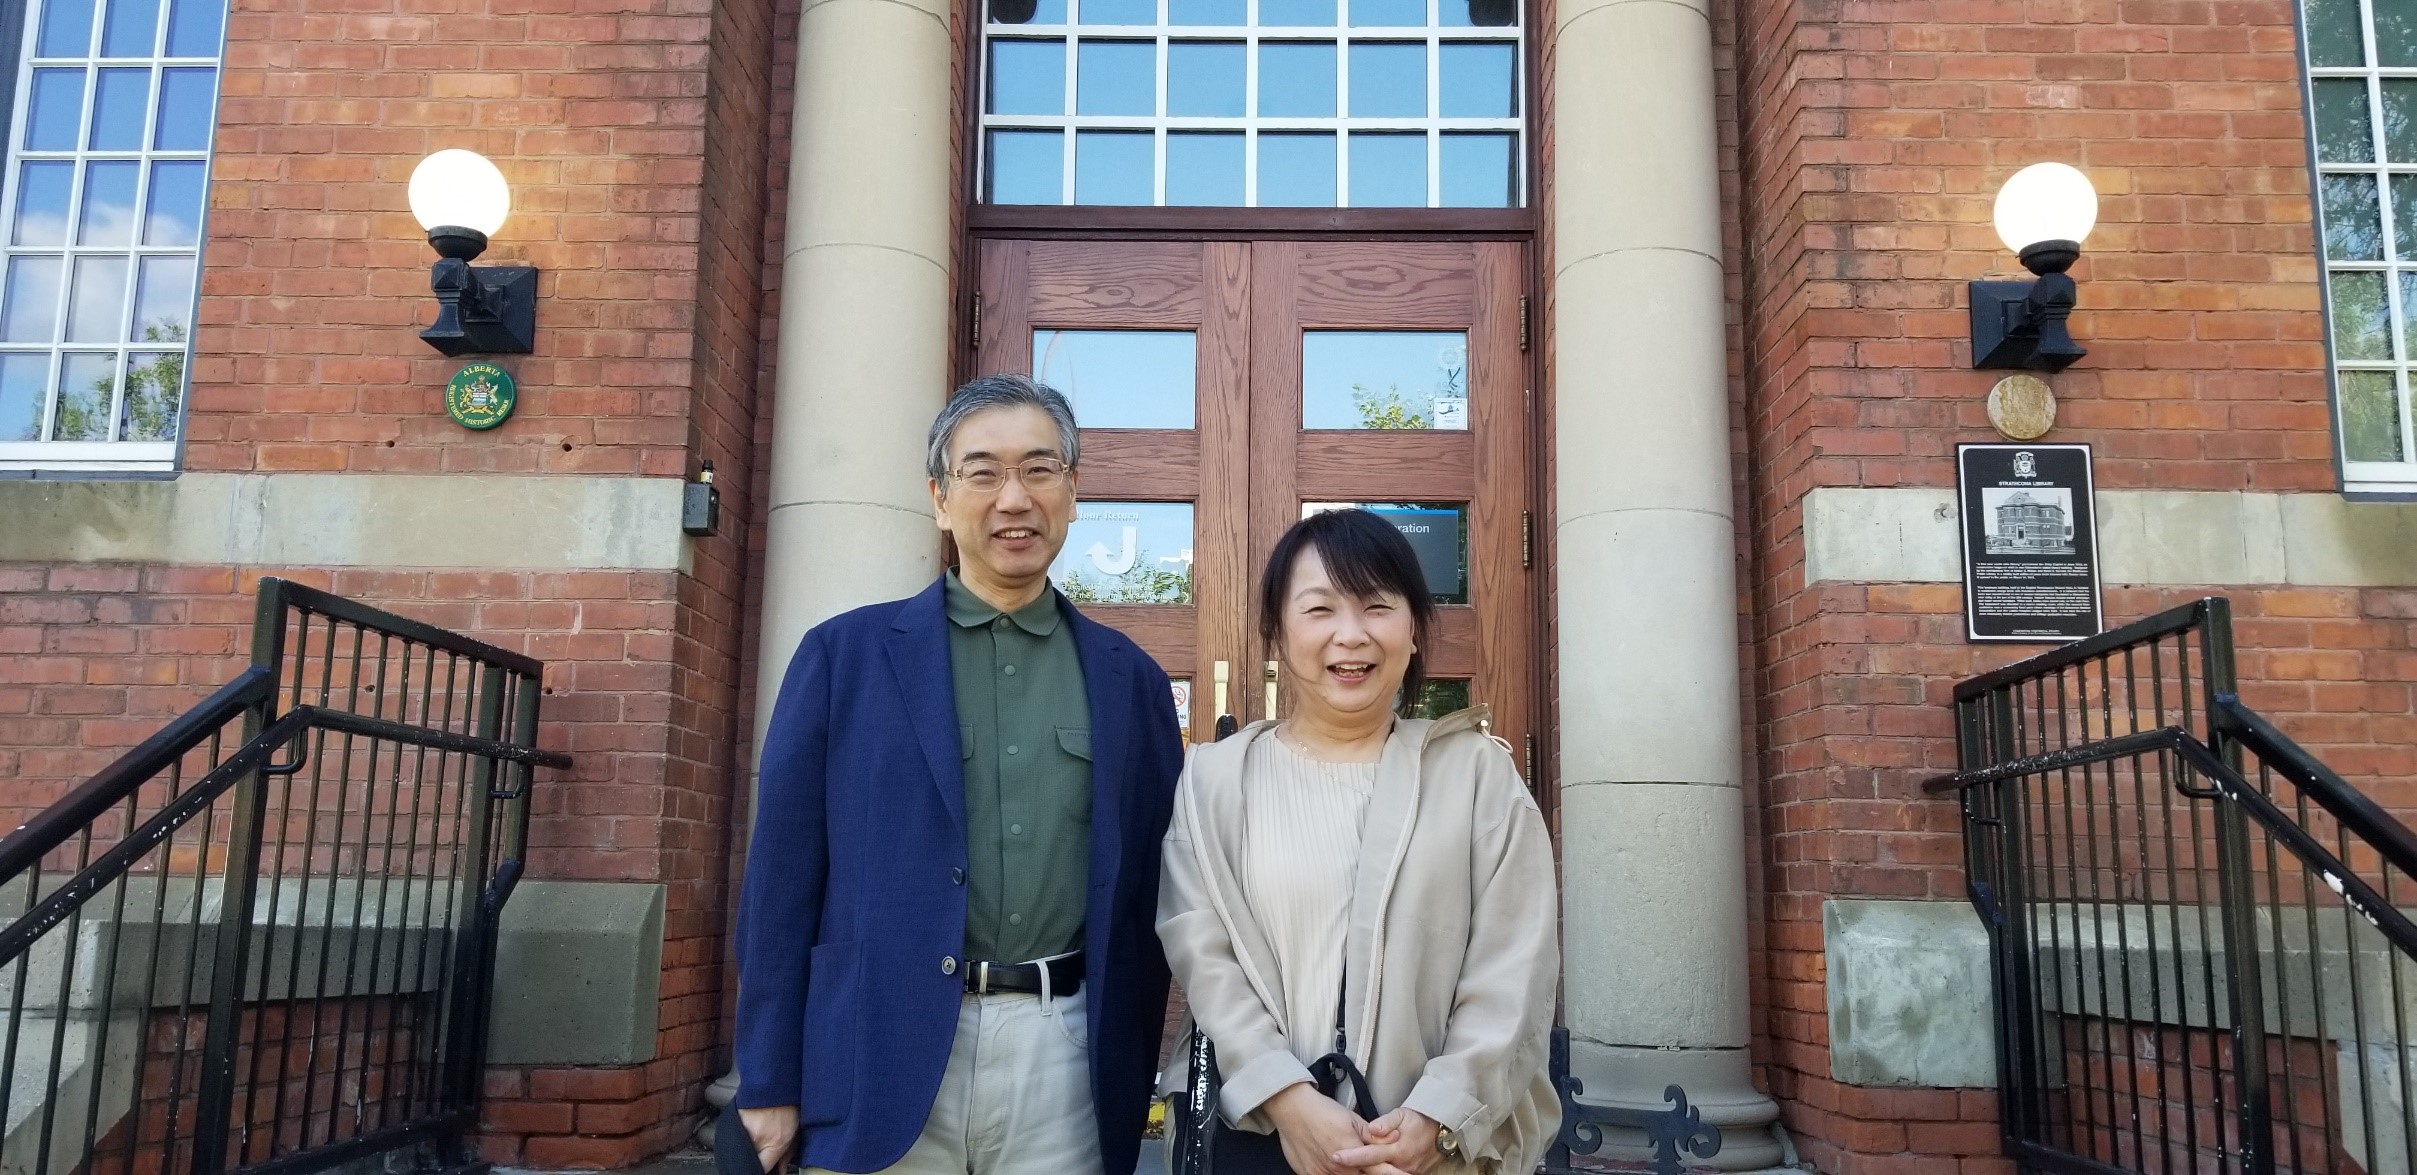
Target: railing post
x,y
222,1035
464,1006
2236,889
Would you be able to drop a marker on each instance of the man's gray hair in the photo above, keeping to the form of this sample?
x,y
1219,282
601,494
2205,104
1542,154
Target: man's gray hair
x,y
1005,390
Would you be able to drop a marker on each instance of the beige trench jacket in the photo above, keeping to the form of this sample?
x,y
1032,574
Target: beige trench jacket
x,y
1451,955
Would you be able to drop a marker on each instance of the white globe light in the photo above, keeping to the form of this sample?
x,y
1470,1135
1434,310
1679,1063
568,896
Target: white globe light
x,y
460,189
2045,202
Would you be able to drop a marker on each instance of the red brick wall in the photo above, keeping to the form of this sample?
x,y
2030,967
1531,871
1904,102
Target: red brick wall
x,y
93,658
1874,135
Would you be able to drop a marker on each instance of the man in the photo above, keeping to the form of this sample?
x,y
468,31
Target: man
x,y
947,957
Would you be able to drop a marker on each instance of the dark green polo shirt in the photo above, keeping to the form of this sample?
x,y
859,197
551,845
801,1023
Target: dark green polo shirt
x,y
1026,727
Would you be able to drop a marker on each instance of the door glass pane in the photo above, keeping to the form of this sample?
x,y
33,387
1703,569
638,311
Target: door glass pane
x,y
1183,706
1127,553
22,380
1204,168
67,28
87,384
1388,80
1112,167
1388,171
2333,37
1384,379
2362,318
1120,378
1027,77
1297,79
2353,223
1027,167
1479,170
1116,77
42,194
2408,298
1296,170
2370,416
1232,13
1438,532
1441,696
1204,79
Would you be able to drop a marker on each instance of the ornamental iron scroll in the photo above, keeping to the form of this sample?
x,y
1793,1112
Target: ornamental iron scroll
x,y
1679,1129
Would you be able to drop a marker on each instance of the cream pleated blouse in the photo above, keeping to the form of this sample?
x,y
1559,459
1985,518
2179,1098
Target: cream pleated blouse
x,y
1300,852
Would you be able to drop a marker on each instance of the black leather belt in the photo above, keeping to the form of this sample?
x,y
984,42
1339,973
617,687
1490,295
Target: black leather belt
x,y
1065,976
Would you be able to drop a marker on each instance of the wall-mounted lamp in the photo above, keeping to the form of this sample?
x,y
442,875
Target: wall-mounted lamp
x,y
459,197
2043,213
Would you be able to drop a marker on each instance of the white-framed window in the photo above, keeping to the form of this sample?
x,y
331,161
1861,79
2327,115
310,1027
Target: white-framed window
x,y
114,103
2362,83
1253,103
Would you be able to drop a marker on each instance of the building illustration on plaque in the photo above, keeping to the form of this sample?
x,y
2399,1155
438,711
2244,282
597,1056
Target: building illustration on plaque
x,y
2037,521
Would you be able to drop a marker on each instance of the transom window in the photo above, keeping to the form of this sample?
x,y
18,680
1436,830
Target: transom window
x,y
108,167
1253,103
2363,80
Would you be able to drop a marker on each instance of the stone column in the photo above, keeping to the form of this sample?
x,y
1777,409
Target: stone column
x,y
1652,819
863,360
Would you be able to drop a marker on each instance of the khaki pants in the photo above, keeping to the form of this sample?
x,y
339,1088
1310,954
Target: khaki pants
x,y
1016,1098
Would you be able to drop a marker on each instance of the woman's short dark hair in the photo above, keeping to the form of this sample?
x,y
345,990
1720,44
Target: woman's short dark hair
x,y
1364,556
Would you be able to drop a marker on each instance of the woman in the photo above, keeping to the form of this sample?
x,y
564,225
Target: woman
x,y
1395,863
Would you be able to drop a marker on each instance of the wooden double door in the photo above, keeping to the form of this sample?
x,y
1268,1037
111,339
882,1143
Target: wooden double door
x,y
1228,387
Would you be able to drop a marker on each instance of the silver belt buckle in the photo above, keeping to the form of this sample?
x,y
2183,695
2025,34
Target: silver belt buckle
x,y
982,978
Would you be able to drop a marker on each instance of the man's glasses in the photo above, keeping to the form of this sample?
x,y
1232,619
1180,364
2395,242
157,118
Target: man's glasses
x,y
1039,475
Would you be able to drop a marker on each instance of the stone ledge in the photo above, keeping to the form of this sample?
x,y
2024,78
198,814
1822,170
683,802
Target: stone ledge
x,y
2152,537
488,521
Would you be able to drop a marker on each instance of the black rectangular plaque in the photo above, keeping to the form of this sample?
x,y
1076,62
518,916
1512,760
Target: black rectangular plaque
x,y
2030,543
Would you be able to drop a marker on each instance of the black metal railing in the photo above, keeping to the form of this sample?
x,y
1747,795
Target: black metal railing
x,y
263,940
2197,956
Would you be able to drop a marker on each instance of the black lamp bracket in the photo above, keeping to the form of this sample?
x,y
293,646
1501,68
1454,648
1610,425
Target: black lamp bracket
x,y
2021,325
480,309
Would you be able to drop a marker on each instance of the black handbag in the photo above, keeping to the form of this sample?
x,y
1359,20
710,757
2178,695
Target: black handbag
x,y
1203,1144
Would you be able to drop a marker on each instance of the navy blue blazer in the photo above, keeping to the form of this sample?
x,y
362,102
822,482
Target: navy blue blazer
x,y
854,894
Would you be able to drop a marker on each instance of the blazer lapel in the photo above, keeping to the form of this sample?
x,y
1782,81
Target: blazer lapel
x,y
1108,687
918,648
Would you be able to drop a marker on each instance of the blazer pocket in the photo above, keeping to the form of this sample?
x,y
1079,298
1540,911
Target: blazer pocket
x,y
832,1011
1076,742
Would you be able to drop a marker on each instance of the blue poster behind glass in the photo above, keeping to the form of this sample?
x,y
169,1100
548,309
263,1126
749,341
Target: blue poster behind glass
x,y
1435,536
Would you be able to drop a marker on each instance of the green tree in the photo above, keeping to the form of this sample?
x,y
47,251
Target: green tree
x,y
1386,409
155,385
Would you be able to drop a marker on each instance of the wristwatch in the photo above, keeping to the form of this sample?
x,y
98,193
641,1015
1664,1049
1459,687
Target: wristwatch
x,y
1447,1142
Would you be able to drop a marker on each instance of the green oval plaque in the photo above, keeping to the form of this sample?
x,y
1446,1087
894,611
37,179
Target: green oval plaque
x,y
480,396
